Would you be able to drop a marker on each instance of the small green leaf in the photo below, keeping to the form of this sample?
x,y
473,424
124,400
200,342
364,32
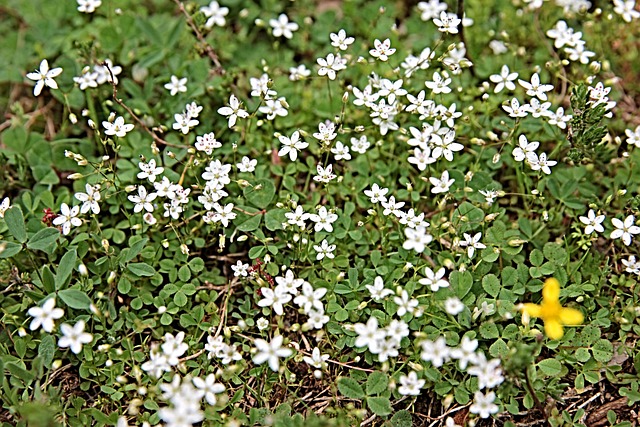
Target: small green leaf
x,y
15,223
141,269
602,351
582,355
180,299
250,224
380,406
550,367
274,218
489,331
9,249
47,349
134,250
261,193
402,418
350,388
67,263
491,285
44,240
257,251
75,299
377,383
184,273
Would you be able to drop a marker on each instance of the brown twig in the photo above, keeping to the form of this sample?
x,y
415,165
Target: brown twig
x,y
142,124
213,56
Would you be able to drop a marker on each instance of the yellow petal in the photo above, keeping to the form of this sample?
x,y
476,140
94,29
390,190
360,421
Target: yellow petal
x,y
533,310
571,316
553,329
551,289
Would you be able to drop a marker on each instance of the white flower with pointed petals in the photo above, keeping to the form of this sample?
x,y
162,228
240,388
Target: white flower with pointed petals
x,y
74,336
625,230
317,360
89,199
275,298
142,200
504,79
45,316
377,290
592,222
340,40
118,128
291,145
68,217
44,77
176,85
310,298
524,148
323,219
434,280
442,184
271,352
410,385
282,27
233,111
209,387
215,14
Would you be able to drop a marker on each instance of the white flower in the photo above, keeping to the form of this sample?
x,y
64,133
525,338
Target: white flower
x,y
88,6
376,194
291,145
184,122
224,213
323,219
440,83
483,404
4,206
324,250
340,40
626,9
434,280
361,145
247,164
435,352
624,230
410,385
297,217
45,316
174,347
68,217
324,174
441,185
453,306
430,9
633,136
382,50
310,298
504,79
282,27
215,13
341,151
369,335
559,118
149,170
330,65
447,23
317,360
632,265
465,353
416,238
289,283
118,128
89,199
233,111
377,290
489,372
176,85
524,149
142,200
472,243
275,298
391,207
74,336
534,88
445,147
209,387
86,80
592,222
271,352
207,143
541,163
421,158
44,77
298,73
274,107
405,305
240,269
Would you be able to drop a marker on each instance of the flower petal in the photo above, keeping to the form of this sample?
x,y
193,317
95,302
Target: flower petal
x,y
571,316
553,329
551,289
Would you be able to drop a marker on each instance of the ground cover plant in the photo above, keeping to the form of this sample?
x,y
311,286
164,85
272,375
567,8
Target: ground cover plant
x,y
319,213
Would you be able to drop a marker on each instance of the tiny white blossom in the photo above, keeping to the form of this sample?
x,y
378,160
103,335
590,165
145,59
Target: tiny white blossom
x,y
281,27
290,146
118,128
410,385
233,111
625,229
215,14
68,217
324,250
44,77
271,352
74,336
382,50
434,280
176,85
340,40
45,316
592,222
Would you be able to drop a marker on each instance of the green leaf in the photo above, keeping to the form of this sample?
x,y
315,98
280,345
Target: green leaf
x,y
582,355
350,388
141,269
491,285
550,367
274,218
47,349
19,371
184,274
489,330
67,263
257,251
75,299
380,406
461,282
250,224
134,250
261,193
602,351
402,418
377,383
9,249
44,240
15,223
180,299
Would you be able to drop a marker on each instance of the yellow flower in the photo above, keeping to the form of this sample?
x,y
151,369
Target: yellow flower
x,y
554,315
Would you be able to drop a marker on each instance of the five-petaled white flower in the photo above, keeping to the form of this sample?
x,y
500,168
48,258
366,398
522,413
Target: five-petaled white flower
x,y
483,404
45,316
317,360
88,6
142,200
275,298
442,184
118,128
215,14
282,27
504,79
592,222
233,111
68,217
625,230
271,352
382,50
535,88
434,280
472,243
330,65
176,85
410,385
340,40
74,336
209,387
324,249
89,199
323,219
291,145
377,290
44,77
